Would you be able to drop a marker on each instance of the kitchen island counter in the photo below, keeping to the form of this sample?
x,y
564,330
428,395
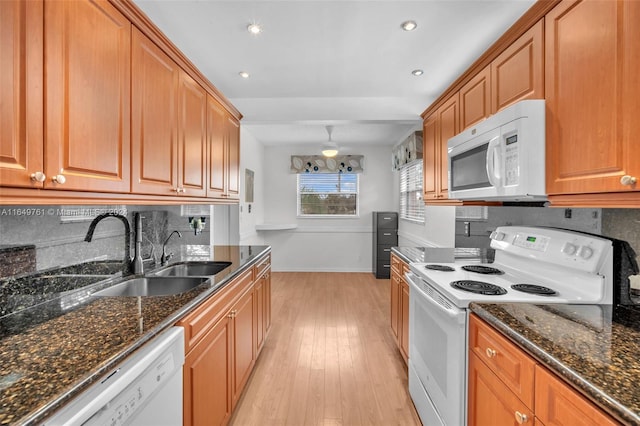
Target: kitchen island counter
x,y
592,347
51,352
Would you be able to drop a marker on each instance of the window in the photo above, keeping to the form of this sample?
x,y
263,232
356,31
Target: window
x,y
411,203
327,194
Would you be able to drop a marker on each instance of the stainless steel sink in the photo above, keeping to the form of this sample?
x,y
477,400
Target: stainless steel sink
x,y
152,286
193,269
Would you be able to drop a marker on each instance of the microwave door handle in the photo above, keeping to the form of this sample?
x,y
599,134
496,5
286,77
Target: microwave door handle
x,y
492,150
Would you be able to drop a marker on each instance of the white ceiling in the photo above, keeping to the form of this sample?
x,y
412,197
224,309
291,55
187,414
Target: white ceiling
x,y
345,63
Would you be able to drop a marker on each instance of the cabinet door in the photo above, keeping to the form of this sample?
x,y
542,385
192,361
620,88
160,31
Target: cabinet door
x,y
243,343
490,402
447,128
233,126
592,90
21,137
518,72
429,152
259,289
395,302
154,121
207,378
192,137
217,141
404,320
87,96
558,404
267,303
475,99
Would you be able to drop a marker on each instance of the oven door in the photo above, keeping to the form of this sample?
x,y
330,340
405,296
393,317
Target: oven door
x,y
437,355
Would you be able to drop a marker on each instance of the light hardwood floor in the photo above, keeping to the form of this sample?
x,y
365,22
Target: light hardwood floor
x,y
330,357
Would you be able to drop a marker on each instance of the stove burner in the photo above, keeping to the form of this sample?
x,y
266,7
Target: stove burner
x,y
478,287
534,289
443,268
482,269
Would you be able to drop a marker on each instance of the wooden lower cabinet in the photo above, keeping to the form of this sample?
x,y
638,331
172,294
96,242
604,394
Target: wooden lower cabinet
x,y
207,379
222,347
507,386
400,305
491,402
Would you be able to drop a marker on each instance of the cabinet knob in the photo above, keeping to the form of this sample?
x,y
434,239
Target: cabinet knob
x,y
59,179
38,177
491,353
628,180
521,418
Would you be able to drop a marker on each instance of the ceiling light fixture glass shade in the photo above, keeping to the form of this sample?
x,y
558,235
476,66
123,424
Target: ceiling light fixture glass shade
x,y
254,28
417,73
243,74
329,148
409,25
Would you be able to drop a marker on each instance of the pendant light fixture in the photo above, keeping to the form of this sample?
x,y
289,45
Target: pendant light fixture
x,y
329,148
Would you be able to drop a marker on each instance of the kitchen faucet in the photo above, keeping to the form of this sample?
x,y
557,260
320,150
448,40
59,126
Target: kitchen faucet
x,y
130,265
166,256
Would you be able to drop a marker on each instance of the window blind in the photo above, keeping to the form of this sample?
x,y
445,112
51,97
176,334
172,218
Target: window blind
x,y
411,202
328,194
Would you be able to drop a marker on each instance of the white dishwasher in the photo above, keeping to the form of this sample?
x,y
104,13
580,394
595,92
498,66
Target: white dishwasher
x,y
144,390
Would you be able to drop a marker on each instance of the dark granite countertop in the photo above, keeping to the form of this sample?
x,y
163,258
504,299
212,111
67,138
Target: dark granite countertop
x,y
444,255
51,352
594,348
6,248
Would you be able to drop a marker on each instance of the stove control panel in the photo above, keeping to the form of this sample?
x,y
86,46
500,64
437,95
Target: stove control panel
x,y
564,248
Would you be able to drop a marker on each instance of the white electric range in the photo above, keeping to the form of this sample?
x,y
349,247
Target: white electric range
x,y
530,265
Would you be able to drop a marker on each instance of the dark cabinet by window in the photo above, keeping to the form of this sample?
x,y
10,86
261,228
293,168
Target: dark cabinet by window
x,y
385,236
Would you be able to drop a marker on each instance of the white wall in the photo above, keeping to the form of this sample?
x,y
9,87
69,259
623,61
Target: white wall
x,y
252,158
437,231
324,244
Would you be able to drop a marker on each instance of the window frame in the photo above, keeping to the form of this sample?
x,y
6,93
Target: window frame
x,y
301,215
418,182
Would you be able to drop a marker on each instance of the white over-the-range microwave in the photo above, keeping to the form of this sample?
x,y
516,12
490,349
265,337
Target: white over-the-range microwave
x,y
501,158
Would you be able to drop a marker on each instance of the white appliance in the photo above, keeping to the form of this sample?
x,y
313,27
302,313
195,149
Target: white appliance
x,y
502,157
557,266
145,389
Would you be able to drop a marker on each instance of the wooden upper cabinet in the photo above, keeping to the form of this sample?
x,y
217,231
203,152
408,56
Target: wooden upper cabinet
x,y
154,118
448,128
234,157
224,152
518,72
21,133
87,51
438,128
475,99
216,135
192,138
592,91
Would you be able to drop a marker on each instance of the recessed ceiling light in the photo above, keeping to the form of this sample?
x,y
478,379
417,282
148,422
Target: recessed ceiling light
x,y
417,72
243,74
409,25
254,28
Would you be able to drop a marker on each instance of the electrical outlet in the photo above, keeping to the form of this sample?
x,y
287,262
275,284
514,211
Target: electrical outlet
x,y
467,229
634,281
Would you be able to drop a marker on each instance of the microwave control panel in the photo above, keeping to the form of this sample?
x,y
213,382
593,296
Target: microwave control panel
x,y
511,163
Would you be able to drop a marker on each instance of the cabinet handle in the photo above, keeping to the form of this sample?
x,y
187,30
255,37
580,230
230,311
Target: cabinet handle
x,y
232,314
38,177
628,180
59,179
491,353
521,418
386,233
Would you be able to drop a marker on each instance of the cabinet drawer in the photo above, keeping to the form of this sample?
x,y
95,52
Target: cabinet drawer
x,y
384,252
383,269
514,367
387,220
559,404
396,264
198,322
387,237
262,265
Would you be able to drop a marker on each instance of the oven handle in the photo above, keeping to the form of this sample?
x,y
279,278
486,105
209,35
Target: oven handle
x,y
451,310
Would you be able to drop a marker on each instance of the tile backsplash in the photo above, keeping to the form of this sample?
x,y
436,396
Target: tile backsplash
x,y
59,240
